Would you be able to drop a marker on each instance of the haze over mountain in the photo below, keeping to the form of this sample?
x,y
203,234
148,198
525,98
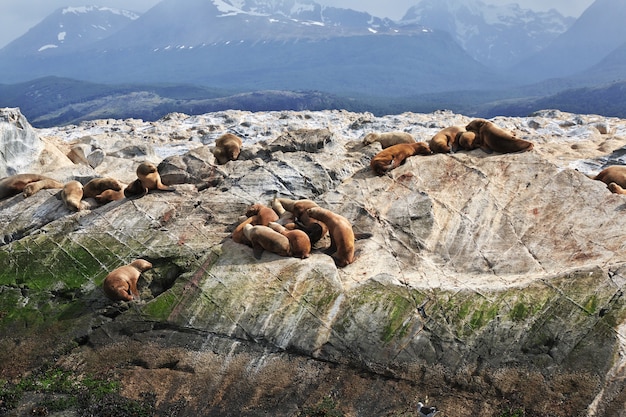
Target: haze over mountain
x,y
594,35
459,55
494,35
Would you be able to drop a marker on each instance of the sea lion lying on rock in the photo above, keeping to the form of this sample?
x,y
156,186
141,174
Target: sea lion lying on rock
x,y
315,229
393,156
491,138
613,174
264,238
256,214
121,283
388,139
299,242
28,184
341,234
227,148
72,194
97,186
444,141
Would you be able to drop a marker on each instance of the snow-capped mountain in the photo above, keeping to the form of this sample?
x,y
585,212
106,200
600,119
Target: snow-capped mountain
x,y
494,35
71,28
596,35
196,23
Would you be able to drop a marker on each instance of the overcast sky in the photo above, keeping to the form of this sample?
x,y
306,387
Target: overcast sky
x,y
17,16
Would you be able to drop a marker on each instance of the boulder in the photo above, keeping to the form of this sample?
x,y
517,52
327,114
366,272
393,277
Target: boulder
x,y
485,283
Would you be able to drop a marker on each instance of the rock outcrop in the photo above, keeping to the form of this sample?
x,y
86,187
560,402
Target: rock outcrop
x,y
490,282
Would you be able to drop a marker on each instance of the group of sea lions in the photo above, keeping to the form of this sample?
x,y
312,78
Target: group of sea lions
x,y
293,227
479,133
287,227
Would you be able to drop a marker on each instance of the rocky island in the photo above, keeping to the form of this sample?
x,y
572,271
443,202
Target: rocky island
x,y
491,284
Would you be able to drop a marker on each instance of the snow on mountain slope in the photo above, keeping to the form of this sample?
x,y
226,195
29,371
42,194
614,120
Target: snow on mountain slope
x,y
71,28
495,35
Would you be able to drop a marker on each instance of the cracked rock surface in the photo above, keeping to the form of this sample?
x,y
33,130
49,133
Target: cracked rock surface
x,y
491,282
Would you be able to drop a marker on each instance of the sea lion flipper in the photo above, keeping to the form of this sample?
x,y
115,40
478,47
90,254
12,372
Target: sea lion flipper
x,y
257,250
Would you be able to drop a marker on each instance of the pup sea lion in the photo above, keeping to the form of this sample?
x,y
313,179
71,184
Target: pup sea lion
x,y
264,238
445,140
341,234
492,138
29,184
616,188
299,242
149,176
121,283
257,214
227,148
72,194
388,139
613,173
97,186
392,157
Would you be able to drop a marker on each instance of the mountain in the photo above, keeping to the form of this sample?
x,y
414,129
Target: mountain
x,y
596,33
494,35
261,45
70,29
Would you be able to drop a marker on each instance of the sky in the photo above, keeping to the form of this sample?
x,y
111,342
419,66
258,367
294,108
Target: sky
x,y
17,16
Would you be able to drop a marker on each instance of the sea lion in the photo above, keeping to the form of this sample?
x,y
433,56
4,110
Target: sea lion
x,y
29,184
109,195
445,140
466,140
149,176
315,229
227,148
613,173
615,188
492,138
72,194
264,238
135,189
257,214
121,283
388,139
97,186
392,157
299,242
341,234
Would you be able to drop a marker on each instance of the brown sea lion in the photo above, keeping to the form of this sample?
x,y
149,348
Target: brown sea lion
x,y
315,229
227,148
392,157
445,140
613,173
97,186
491,138
257,214
341,234
466,140
109,195
29,184
615,188
299,242
264,238
135,189
388,139
149,176
72,194
121,283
